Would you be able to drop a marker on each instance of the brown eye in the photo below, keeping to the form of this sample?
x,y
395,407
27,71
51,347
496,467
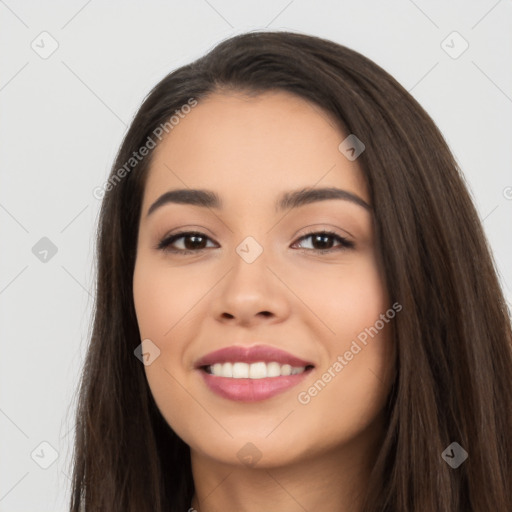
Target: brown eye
x,y
193,242
323,241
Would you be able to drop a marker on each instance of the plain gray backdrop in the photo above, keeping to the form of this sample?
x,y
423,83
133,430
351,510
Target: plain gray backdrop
x,y
73,75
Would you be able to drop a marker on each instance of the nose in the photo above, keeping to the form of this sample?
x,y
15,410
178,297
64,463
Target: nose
x,y
251,292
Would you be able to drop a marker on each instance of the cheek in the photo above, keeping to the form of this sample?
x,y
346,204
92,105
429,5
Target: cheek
x,y
353,383
351,388
168,305
346,298
165,299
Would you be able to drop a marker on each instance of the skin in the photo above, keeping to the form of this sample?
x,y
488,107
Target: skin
x,y
314,456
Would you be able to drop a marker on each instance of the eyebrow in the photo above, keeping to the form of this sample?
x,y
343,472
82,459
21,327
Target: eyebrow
x,y
291,199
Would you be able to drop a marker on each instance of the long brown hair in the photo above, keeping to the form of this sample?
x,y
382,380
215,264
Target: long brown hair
x,y
453,337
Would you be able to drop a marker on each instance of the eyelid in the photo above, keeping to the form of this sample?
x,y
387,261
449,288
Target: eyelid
x,y
317,228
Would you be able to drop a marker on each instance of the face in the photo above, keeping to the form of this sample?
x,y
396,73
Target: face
x,y
269,325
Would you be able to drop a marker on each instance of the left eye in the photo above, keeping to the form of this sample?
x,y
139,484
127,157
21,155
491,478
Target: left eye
x,y
322,236
197,242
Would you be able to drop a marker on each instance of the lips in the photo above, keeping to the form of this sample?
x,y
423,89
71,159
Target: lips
x,y
249,374
255,354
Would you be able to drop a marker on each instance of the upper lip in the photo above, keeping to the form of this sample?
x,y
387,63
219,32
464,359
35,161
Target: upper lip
x,y
254,354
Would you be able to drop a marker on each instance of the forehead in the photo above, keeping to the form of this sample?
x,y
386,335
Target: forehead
x,y
256,146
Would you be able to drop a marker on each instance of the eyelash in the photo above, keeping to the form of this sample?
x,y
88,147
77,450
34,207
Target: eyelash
x,y
164,245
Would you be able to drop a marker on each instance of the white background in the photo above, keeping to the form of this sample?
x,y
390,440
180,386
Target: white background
x,y
63,118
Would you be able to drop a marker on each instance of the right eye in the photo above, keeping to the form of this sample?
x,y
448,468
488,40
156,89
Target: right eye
x,y
196,244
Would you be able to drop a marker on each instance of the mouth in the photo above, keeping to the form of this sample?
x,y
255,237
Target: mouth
x,y
249,374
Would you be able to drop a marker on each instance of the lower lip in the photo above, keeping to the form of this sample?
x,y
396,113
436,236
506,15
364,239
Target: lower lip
x,y
251,390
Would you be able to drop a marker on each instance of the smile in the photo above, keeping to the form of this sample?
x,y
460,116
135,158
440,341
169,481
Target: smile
x,y
249,374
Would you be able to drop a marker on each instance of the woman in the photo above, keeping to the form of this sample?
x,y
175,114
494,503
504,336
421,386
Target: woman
x,y
296,305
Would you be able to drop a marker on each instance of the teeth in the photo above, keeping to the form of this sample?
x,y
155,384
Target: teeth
x,y
273,370
240,371
286,369
259,370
